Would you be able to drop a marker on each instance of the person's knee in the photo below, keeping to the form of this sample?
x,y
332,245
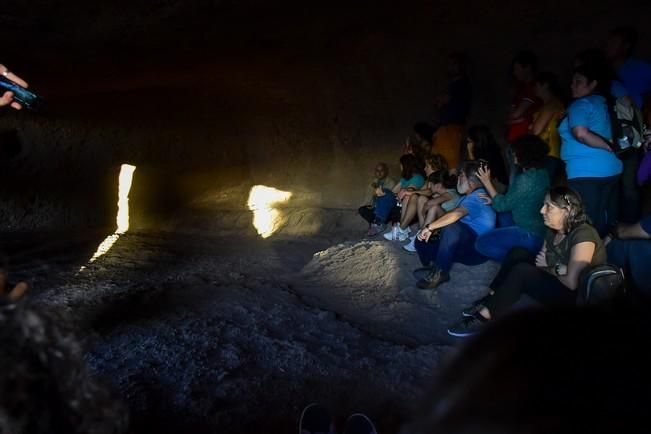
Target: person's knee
x,y
519,254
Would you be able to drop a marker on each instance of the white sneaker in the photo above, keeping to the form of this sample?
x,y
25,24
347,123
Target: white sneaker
x,y
411,246
402,234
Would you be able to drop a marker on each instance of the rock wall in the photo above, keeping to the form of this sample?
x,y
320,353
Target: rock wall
x,y
208,96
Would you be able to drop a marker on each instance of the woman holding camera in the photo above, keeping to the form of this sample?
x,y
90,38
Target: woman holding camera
x,y
520,219
571,244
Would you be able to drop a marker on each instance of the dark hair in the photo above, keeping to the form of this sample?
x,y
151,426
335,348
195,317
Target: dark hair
x,y
425,131
486,148
530,151
596,71
443,177
45,386
410,165
551,81
470,168
437,162
570,200
526,58
628,34
544,371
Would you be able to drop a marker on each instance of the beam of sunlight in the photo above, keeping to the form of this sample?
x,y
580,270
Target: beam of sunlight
x,y
122,218
266,219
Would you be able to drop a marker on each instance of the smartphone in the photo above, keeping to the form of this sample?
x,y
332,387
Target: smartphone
x,y
25,97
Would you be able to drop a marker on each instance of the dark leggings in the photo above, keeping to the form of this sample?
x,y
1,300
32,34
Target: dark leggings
x,y
518,276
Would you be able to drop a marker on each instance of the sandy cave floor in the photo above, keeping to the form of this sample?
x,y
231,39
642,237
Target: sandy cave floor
x,y
229,334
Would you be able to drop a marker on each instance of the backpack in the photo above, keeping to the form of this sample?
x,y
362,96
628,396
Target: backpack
x,y
627,125
599,284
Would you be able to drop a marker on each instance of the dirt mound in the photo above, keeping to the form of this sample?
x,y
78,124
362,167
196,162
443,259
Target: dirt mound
x,y
370,283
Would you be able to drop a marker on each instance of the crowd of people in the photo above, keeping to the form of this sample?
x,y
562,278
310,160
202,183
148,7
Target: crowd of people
x,y
560,196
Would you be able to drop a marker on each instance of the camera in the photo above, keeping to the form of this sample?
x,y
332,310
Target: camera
x,y
25,97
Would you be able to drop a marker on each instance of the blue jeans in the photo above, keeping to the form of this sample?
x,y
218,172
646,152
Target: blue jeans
x,y
497,243
384,205
456,244
633,257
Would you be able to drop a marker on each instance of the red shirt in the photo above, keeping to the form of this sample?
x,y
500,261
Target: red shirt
x,y
525,93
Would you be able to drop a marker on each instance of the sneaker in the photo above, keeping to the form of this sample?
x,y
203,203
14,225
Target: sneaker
x,y
475,307
402,234
433,279
468,326
410,247
359,424
374,229
315,419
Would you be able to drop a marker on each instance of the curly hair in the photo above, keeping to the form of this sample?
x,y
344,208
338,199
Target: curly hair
x,y
45,386
437,162
530,150
570,200
443,177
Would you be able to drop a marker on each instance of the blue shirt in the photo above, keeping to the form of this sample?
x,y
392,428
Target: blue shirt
x,y
583,161
457,109
636,76
481,217
417,181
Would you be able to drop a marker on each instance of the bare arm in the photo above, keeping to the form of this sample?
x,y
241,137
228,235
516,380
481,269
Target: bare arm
x,y
585,136
541,122
580,257
441,198
632,232
520,110
451,217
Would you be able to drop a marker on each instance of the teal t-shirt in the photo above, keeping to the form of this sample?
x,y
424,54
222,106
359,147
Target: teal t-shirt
x,y
417,181
524,199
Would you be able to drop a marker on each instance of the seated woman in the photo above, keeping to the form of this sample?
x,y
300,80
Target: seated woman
x,y
550,278
520,204
481,145
444,198
433,164
411,180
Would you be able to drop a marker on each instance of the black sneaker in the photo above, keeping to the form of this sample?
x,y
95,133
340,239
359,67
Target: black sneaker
x,y
359,424
315,419
468,326
475,307
433,279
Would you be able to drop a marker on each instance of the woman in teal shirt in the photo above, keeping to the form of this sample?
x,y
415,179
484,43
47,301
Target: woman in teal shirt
x,y
525,227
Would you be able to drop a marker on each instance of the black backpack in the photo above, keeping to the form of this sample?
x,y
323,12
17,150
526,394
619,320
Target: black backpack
x,y
599,284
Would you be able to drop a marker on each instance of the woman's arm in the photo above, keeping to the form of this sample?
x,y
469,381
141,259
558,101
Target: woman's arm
x,y
484,175
441,198
587,137
396,188
519,111
541,122
580,257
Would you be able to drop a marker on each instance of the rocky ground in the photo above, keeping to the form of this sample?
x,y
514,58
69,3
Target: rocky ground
x,y
204,333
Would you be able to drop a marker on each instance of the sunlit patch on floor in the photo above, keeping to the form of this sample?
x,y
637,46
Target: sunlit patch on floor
x,y
122,219
266,218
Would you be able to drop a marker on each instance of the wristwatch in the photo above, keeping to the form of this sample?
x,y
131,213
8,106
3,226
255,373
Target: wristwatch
x,y
557,269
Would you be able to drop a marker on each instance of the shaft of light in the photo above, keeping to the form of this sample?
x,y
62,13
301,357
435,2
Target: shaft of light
x,y
261,202
122,218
